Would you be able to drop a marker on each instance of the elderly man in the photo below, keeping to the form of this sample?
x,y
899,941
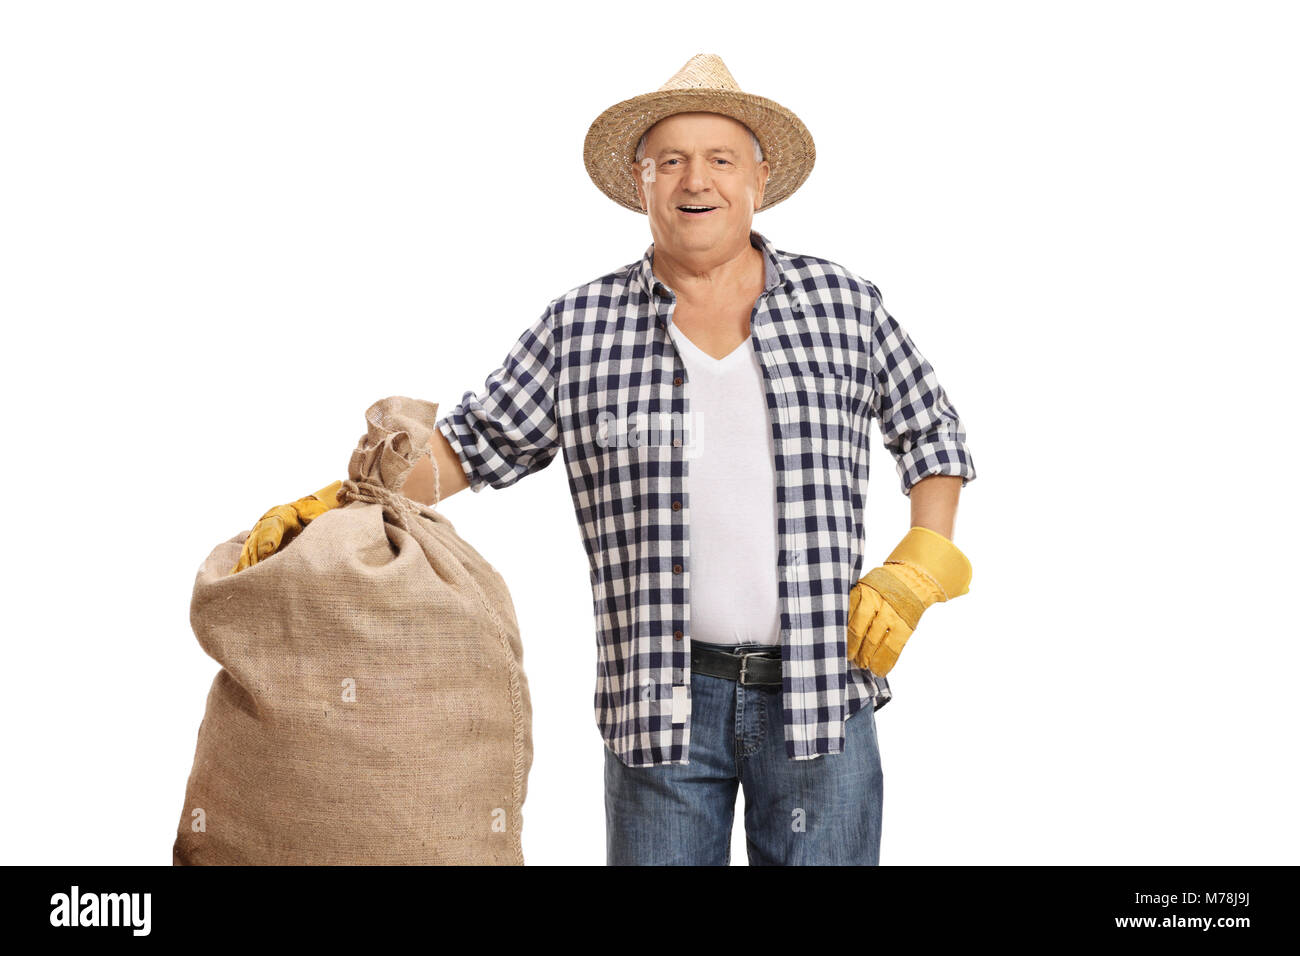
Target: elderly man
x,y
712,402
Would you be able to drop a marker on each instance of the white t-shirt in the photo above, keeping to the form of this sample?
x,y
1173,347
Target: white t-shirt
x,y
731,483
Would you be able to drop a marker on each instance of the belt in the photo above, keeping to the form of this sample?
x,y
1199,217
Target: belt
x,y
752,668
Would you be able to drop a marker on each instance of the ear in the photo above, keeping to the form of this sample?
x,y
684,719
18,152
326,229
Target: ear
x,y
764,172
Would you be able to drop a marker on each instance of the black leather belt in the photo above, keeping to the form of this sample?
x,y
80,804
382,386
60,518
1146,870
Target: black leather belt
x,y
751,668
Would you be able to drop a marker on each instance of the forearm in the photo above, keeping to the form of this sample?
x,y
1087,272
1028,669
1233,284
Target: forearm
x,y
934,503
419,485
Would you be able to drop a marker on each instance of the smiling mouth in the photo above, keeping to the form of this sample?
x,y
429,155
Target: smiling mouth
x,y
692,210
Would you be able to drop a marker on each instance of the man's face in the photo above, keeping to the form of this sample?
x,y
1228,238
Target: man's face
x,y
700,159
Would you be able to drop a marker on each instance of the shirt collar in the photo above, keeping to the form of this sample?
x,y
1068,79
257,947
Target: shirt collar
x,y
644,278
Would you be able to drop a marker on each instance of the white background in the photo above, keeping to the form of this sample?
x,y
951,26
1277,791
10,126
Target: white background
x,y
227,228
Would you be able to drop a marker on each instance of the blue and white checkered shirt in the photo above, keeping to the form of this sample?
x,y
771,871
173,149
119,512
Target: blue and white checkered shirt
x,y
598,376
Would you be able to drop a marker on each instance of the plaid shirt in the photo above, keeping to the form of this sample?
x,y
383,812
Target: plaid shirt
x,y
598,376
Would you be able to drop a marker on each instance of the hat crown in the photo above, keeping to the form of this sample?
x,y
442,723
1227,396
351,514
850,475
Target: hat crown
x,y
702,71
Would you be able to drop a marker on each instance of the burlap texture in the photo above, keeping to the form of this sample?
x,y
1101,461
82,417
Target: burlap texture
x,y
379,599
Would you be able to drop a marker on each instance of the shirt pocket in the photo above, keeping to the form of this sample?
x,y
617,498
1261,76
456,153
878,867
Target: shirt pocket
x,y
821,419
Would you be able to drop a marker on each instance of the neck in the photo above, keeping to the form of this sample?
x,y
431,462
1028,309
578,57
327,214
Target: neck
x,y
710,275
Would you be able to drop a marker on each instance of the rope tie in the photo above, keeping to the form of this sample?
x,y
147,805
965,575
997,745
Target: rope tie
x,y
372,492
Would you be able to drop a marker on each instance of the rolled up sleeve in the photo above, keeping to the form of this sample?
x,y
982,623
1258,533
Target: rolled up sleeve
x,y
919,425
509,430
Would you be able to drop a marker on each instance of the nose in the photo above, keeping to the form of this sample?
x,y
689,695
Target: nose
x,y
697,179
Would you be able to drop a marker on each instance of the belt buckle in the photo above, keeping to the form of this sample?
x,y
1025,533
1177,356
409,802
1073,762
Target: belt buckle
x,y
744,663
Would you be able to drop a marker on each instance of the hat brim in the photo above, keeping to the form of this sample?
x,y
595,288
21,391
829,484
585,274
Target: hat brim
x,y
609,151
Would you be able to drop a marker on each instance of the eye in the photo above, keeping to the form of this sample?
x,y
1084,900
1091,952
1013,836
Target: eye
x,y
725,161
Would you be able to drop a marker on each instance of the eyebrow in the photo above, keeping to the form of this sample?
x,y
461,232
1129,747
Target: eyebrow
x,y
715,149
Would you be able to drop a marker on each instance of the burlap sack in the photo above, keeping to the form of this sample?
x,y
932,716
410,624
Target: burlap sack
x,y
372,707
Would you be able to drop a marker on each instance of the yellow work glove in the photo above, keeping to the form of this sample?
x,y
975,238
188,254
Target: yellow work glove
x,y
885,605
281,524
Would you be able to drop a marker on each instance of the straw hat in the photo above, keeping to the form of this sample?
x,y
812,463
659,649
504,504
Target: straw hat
x,y
702,85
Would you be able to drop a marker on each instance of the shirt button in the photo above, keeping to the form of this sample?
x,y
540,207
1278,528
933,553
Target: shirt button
x,y
677,569
677,635
677,443
677,506
677,380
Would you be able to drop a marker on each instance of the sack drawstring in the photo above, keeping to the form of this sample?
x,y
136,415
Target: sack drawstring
x,y
400,506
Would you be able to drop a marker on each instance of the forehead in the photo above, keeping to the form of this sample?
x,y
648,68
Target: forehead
x,y
697,131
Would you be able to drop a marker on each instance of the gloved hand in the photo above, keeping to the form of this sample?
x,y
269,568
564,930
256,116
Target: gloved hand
x,y
281,524
885,605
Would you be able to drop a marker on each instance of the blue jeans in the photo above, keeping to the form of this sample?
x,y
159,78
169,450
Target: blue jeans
x,y
797,812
